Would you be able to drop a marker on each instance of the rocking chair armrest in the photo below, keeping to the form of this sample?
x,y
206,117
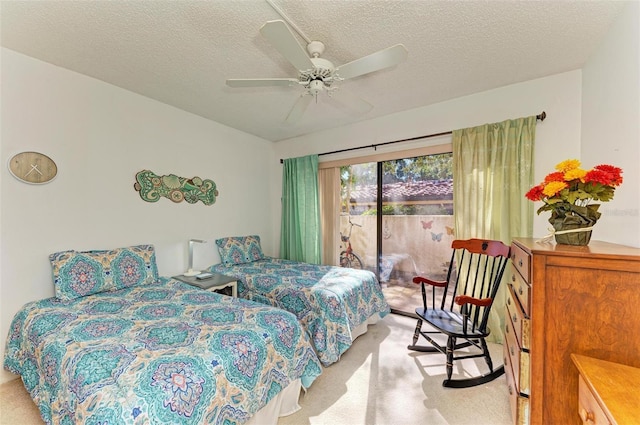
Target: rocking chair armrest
x,y
465,299
438,283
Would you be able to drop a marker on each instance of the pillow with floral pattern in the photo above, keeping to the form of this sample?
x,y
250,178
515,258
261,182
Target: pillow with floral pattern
x,y
77,274
239,249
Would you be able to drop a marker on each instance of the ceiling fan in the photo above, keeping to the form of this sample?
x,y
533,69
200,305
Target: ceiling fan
x,y
316,74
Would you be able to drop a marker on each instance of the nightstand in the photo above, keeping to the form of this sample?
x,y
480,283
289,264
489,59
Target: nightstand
x,y
215,284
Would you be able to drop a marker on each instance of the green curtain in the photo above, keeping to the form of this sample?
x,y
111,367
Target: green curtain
x,y
300,236
492,171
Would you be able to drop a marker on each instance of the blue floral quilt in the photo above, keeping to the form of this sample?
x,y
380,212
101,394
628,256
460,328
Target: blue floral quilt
x,y
329,301
165,353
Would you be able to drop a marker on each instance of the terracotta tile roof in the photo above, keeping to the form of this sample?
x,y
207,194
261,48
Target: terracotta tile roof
x,y
425,190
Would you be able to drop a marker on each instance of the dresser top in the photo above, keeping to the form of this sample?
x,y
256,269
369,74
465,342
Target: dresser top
x,y
616,386
594,249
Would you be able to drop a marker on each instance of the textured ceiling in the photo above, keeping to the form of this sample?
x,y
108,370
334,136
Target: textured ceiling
x,y
181,52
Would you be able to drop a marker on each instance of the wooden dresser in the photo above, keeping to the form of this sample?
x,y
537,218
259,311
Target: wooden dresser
x,y
561,300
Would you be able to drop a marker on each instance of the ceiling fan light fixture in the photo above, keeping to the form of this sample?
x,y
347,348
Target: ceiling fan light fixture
x,y
322,69
315,87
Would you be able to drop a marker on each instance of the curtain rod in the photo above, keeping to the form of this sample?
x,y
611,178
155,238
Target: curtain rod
x,y
539,117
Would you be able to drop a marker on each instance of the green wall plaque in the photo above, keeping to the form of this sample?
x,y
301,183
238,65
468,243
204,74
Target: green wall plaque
x,y
152,187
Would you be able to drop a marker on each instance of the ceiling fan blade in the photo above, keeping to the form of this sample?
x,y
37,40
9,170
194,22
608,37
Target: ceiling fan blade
x,y
386,58
281,37
261,82
347,101
298,108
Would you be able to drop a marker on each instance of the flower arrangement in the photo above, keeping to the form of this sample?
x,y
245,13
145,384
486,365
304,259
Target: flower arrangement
x,y
569,191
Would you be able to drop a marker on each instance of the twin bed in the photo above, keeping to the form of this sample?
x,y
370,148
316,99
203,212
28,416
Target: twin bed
x,y
119,344
160,353
333,304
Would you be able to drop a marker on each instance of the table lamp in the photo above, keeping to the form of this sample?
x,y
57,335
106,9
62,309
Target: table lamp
x,y
192,272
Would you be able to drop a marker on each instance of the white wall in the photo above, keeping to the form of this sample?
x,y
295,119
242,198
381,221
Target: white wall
x,y
611,123
100,136
557,138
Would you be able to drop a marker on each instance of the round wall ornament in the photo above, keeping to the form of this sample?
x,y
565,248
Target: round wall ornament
x,y
33,167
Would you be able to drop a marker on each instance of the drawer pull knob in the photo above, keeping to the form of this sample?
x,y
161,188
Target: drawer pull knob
x,y
513,353
508,301
586,416
506,329
520,263
520,291
514,318
510,390
513,278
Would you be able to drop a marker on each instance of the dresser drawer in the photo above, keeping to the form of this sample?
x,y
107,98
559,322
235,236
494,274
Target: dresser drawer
x,y
519,361
519,403
588,408
521,261
521,324
522,291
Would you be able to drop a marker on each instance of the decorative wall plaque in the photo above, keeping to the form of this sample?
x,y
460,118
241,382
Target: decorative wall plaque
x,y
178,189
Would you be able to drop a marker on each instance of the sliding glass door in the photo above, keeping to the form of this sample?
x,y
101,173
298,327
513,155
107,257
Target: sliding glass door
x,y
417,226
400,214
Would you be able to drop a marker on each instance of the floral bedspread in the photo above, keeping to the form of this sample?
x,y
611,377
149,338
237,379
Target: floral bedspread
x,y
329,301
165,353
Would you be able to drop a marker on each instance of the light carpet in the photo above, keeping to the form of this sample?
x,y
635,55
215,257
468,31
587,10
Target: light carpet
x,y
376,382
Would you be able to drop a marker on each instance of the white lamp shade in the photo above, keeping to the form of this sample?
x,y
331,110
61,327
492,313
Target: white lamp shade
x,y
190,271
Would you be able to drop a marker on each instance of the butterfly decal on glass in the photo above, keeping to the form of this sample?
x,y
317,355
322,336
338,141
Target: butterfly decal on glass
x,y
449,230
426,224
386,233
436,236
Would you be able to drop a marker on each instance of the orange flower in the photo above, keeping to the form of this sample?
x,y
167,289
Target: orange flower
x,y
575,174
552,188
567,165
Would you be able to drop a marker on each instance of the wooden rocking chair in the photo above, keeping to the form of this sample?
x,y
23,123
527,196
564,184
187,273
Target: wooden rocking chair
x,y
459,306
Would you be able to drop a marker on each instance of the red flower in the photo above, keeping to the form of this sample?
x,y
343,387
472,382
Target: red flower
x,y
557,176
535,193
614,172
598,176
